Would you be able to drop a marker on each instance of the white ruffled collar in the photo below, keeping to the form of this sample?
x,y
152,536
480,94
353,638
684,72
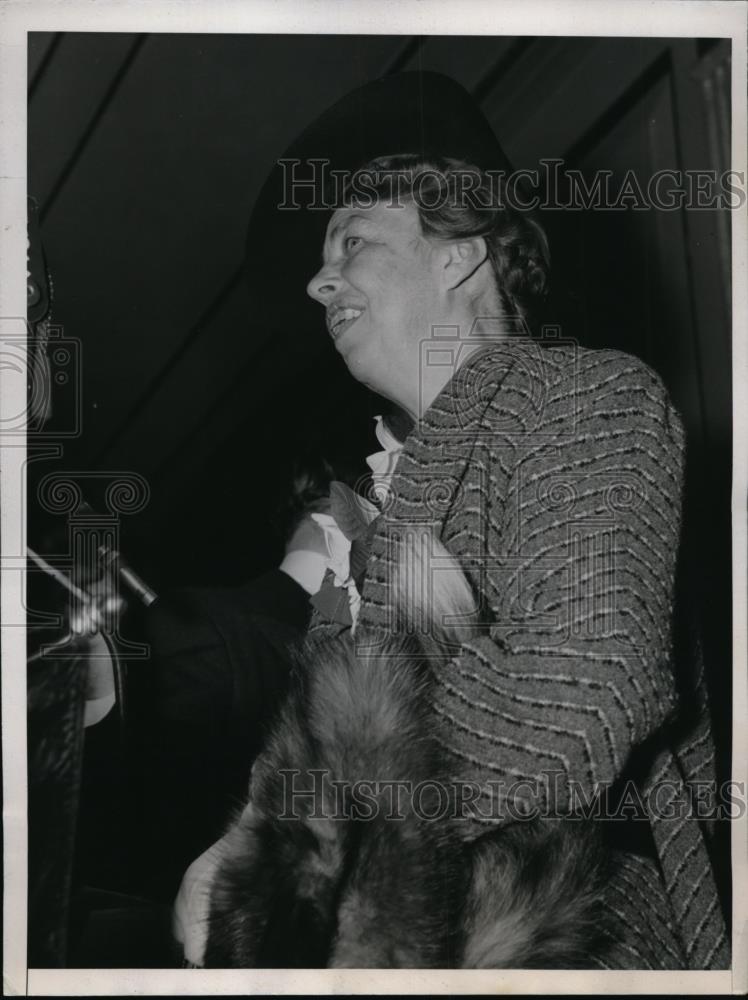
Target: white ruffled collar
x,y
382,464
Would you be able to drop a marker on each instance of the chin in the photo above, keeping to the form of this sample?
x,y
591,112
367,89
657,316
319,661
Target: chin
x,y
356,361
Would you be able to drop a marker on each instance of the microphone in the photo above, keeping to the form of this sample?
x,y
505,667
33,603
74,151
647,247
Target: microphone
x,y
127,576
111,559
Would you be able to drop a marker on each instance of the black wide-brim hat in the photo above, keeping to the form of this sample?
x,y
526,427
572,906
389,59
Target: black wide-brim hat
x,y
413,112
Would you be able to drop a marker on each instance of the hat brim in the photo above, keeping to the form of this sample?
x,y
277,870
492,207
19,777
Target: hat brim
x,y
411,112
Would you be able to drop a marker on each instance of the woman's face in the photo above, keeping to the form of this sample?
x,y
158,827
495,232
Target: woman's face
x,y
382,289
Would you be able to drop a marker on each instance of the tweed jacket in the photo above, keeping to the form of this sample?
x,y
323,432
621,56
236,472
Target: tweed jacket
x,y
554,475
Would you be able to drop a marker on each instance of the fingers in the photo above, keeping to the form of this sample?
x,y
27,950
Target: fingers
x,y
85,620
98,615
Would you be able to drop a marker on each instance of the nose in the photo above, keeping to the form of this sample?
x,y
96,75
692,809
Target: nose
x,y
324,285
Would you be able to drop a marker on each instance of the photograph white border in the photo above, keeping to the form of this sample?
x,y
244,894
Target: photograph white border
x,y
668,18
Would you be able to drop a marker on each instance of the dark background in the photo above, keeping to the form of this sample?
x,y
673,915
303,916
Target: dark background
x,y
146,155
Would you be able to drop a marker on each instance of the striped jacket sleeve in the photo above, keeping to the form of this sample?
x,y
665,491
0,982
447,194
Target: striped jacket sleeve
x,y
574,669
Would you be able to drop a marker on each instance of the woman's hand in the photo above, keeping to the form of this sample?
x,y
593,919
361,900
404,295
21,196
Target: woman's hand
x,y
308,536
306,555
192,905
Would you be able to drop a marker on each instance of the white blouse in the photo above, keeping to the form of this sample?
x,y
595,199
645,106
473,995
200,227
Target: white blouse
x,y
309,568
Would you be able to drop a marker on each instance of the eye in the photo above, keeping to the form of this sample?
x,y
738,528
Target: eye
x,y
352,242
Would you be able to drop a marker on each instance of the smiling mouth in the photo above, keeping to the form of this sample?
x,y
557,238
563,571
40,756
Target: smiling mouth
x,y
342,320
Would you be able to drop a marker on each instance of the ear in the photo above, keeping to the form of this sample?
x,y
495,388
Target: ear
x,y
462,259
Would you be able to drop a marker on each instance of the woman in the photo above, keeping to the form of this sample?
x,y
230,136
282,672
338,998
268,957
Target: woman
x,y
553,475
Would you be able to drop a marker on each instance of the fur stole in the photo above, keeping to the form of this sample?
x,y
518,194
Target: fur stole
x,y
347,856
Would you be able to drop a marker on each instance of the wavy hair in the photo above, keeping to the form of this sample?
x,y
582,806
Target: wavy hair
x,y
457,200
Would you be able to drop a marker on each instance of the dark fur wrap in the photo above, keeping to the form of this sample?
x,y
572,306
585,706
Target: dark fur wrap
x,y
339,884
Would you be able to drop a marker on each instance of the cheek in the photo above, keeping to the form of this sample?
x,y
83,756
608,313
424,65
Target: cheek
x,y
375,275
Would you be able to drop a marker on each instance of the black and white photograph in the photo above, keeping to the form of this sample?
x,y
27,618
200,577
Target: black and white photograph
x,y
373,497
